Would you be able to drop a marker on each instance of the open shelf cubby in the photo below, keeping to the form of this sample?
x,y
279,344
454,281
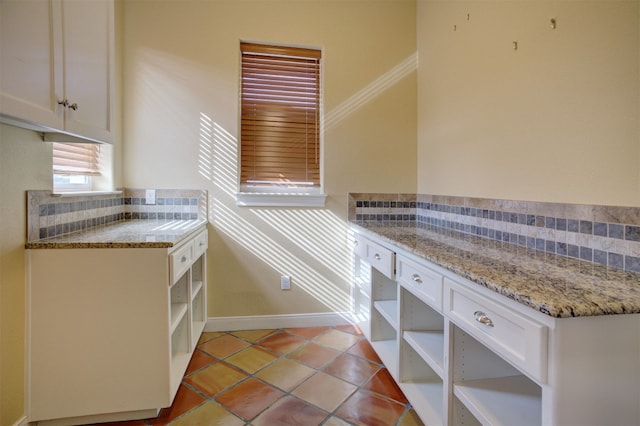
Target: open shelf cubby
x,y
492,390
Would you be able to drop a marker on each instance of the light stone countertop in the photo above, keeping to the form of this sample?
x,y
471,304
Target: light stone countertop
x,y
554,285
125,234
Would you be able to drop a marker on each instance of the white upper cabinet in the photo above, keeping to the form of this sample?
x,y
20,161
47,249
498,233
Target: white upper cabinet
x,y
29,72
57,66
88,67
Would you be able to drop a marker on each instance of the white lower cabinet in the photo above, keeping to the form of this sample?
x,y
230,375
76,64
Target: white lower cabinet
x,y
517,338
465,355
111,331
361,288
376,264
489,388
422,356
384,320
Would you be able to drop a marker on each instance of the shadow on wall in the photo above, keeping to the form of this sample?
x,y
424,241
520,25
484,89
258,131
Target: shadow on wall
x,y
318,233
371,91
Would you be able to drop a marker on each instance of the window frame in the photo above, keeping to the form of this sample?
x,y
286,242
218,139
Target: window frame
x,y
281,194
87,172
72,187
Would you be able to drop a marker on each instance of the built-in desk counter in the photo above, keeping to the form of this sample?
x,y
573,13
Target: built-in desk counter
x,y
477,331
137,233
554,285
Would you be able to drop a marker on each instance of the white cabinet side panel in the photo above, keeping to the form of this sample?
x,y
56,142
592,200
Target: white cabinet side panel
x,y
97,323
594,371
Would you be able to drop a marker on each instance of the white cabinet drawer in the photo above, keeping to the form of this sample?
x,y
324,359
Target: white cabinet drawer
x,y
421,281
201,243
518,339
374,254
360,246
180,260
380,258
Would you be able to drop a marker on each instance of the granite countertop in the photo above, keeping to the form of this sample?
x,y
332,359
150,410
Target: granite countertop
x,y
125,234
554,285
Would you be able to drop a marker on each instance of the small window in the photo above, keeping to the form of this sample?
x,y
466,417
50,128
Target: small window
x,y
73,166
280,120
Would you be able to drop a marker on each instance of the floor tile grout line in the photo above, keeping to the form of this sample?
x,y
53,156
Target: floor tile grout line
x,y
290,393
207,399
362,386
282,356
293,396
309,340
212,399
250,375
404,414
334,412
318,369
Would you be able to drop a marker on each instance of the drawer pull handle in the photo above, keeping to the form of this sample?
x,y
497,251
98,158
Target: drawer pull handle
x,y
482,318
416,278
376,256
355,243
183,259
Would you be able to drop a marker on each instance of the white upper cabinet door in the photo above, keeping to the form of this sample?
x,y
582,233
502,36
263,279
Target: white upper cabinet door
x,y
57,66
30,66
88,34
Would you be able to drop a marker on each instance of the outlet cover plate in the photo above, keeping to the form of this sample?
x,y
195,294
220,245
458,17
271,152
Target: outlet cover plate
x,y
285,282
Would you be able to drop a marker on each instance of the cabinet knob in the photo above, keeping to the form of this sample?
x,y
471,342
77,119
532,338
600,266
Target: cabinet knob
x,y
183,259
376,256
416,278
64,103
74,106
483,319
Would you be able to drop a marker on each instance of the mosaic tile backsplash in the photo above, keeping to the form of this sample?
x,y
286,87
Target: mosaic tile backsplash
x,y
51,216
604,235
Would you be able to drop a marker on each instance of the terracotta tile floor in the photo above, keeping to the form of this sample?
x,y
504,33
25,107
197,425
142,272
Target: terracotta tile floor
x,y
296,376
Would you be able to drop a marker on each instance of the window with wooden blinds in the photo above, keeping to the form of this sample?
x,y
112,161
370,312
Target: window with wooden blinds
x,y
280,116
76,159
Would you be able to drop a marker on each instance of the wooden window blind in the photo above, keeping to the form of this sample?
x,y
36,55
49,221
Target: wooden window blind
x,y
280,116
76,158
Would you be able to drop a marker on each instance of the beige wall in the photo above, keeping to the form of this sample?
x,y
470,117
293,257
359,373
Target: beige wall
x,y
181,125
25,163
556,120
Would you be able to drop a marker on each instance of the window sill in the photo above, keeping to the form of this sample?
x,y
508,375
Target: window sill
x,y
263,199
63,193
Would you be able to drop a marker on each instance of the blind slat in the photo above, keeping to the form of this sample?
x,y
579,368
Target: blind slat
x,y
76,158
248,48
280,96
282,157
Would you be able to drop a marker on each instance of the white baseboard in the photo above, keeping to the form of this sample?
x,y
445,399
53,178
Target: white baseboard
x,y
278,321
21,422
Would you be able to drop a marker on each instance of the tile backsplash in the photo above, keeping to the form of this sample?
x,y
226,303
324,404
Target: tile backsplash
x,y
604,235
54,215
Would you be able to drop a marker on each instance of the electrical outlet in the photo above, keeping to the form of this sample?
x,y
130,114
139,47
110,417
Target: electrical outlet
x,y
285,282
150,196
